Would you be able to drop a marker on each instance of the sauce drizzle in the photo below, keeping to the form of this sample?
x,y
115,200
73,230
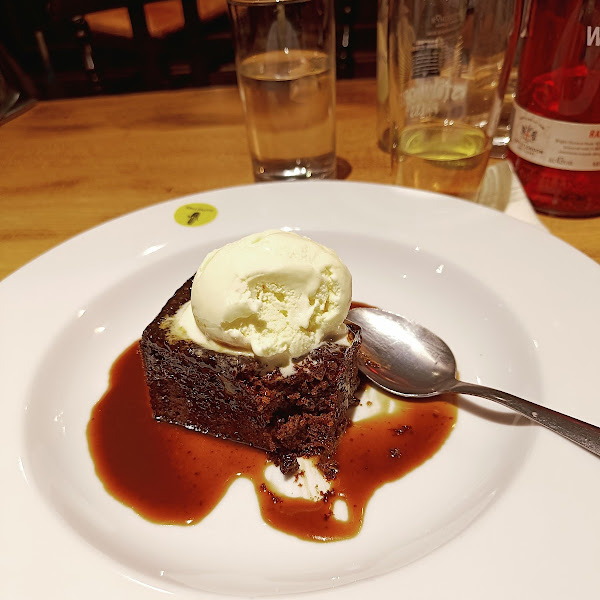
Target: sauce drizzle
x,y
171,475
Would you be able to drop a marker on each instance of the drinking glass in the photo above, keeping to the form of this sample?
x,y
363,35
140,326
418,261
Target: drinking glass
x,y
285,64
449,64
382,74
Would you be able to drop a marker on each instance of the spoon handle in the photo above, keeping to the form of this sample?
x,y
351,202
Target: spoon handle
x,y
584,434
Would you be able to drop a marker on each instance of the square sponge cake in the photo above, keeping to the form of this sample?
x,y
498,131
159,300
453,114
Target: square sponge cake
x,y
239,398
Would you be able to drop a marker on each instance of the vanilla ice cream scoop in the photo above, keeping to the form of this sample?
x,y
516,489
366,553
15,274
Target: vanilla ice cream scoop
x,y
275,293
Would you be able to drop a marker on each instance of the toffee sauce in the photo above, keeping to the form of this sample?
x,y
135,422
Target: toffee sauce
x,y
171,475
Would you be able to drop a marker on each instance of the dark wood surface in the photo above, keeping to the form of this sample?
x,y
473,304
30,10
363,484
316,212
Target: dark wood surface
x,y
68,165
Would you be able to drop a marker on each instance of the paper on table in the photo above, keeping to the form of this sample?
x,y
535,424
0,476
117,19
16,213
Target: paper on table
x,y
502,190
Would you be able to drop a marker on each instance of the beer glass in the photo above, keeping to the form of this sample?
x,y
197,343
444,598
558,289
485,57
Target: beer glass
x,y
449,64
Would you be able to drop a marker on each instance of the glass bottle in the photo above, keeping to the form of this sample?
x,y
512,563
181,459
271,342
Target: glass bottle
x,y
555,138
383,88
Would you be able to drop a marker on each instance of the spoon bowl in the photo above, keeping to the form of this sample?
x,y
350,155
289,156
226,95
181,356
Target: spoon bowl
x,y
401,356
409,360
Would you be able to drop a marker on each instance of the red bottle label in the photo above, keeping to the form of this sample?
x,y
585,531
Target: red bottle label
x,y
557,144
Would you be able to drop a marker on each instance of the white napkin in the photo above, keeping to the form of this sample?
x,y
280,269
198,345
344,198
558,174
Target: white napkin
x,y
502,190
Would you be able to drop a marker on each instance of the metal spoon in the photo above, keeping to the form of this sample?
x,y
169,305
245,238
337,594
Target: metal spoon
x,y
407,359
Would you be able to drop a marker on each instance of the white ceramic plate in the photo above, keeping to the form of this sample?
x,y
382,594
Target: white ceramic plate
x,y
503,509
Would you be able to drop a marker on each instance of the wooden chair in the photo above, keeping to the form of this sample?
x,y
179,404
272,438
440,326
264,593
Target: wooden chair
x,y
146,26
345,11
17,92
150,30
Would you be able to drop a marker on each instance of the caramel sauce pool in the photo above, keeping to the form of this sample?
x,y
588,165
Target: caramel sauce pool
x,y
171,475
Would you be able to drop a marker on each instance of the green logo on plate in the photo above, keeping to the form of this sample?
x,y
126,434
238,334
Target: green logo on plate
x,y
192,215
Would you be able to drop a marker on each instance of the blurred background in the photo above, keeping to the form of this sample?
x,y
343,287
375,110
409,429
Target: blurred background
x,y
73,48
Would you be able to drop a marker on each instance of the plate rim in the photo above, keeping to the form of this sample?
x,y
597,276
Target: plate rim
x,y
547,442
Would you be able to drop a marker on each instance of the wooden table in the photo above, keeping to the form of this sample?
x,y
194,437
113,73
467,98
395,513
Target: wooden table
x,y
68,165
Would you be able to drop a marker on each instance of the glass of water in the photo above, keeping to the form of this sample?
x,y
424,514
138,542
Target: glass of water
x,y
285,64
